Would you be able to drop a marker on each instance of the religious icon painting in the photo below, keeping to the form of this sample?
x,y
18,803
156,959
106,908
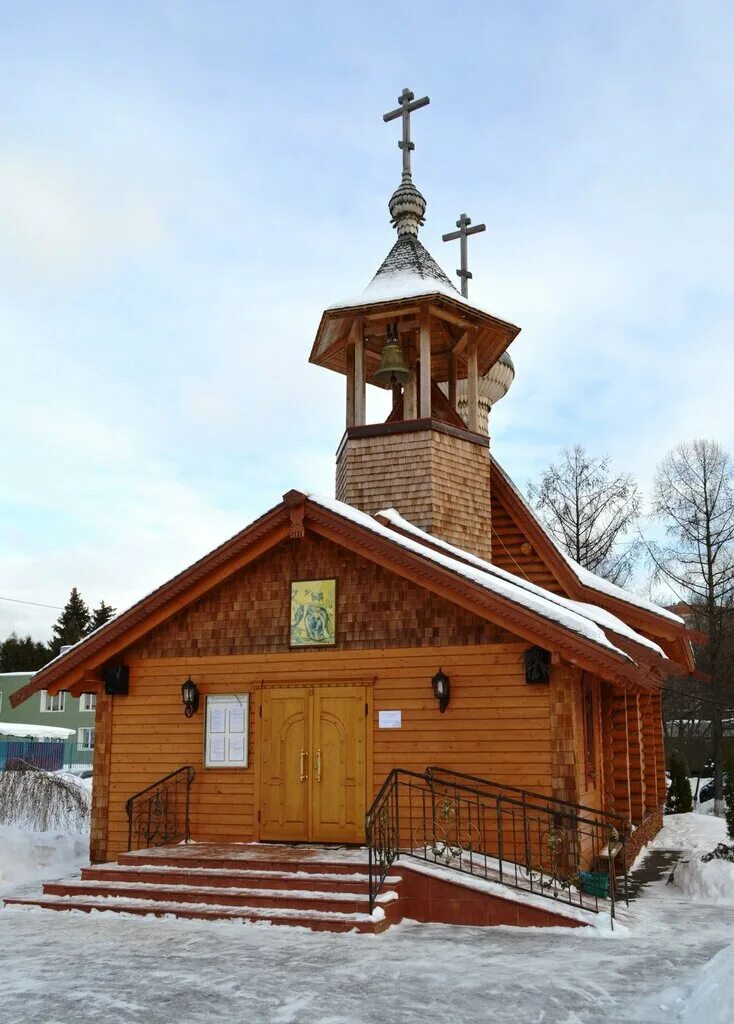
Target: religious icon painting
x,y
313,613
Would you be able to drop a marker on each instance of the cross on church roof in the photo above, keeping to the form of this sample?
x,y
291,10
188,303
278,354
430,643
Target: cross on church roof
x,y
408,103
464,230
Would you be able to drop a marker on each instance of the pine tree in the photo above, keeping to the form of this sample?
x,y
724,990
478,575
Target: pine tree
x,y
729,794
72,624
680,798
22,654
101,615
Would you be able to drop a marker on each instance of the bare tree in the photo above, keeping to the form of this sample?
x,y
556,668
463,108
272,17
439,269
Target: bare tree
x,y
589,512
694,500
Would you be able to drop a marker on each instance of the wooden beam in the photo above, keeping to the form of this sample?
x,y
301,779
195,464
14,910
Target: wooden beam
x,y
360,397
459,346
350,385
472,383
410,392
451,318
425,357
453,360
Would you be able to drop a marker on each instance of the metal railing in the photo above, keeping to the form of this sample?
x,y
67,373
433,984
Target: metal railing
x,y
563,851
159,814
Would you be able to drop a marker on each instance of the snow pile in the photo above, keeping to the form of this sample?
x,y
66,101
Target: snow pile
x,y
692,833
709,877
32,856
712,997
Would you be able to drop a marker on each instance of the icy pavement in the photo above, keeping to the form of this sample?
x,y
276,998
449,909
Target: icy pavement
x,y
56,968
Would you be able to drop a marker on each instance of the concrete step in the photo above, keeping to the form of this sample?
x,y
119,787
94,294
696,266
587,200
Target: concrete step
x,y
315,920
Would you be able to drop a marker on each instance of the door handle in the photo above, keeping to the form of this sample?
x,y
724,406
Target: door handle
x,y
304,755
317,766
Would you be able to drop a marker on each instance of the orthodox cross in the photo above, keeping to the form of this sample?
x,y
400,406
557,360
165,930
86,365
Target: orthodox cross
x,y
464,231
408,103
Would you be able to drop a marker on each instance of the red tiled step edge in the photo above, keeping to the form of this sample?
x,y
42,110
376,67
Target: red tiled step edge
x,y
322,901
355,881
273,862
326,922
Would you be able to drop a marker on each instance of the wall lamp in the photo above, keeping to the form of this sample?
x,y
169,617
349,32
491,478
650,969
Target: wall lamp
x,y
441,689
190,697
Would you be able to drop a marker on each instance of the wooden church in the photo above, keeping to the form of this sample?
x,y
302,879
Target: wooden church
x,y
412,668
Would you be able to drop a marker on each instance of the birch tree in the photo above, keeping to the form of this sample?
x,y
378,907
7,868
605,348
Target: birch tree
x,y
694,501
590,511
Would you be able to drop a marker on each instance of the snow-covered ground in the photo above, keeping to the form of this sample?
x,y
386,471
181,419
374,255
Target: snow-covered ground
x,y
674,964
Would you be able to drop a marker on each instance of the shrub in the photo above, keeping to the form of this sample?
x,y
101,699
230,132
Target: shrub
x,y
680,799
39,801
720,852
729,794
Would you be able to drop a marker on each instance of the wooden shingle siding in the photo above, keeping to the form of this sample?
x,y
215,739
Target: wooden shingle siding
x,y
439,482
250,613
496,725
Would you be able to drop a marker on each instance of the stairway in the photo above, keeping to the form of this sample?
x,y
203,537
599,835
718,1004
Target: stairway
x,y
316,888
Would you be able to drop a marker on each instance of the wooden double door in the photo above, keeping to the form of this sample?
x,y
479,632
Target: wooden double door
x,y
313,764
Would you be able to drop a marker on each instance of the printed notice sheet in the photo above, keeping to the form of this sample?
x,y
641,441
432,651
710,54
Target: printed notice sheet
x,y
227,731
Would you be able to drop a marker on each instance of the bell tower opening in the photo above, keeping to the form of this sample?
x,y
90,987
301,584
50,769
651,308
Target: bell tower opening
x,y
412,333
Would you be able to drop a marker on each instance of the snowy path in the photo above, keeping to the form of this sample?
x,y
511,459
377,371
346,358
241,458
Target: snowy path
x,y
62,968
57,968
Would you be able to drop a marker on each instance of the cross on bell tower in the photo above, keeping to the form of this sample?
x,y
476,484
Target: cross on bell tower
x,y
408,103
464,231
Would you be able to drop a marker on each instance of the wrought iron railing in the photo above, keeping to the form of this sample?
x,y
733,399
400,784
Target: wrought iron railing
x,y
159,814
565,852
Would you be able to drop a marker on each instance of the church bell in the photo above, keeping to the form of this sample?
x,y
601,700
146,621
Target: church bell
x,y
393,368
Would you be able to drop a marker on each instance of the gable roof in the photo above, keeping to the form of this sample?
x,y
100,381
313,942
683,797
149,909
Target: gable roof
x,y
589,636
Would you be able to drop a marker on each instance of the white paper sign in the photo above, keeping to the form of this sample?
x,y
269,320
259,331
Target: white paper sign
x,y
217,719
390,719
227,730
216,748
237,748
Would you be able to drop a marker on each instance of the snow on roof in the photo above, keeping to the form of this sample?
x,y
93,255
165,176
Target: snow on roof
x,y
510,587
40,732
585,576
404,285
598,615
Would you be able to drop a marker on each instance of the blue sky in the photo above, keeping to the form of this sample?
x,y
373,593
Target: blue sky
x,y
185,186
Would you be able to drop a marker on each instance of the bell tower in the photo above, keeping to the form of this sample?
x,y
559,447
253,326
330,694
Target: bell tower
x,y
412,333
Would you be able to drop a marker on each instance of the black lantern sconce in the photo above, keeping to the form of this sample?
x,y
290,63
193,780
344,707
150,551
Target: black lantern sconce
x,y
441,689
190,697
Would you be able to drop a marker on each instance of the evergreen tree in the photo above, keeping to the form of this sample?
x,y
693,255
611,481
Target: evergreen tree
x,y
729,794
680,798
72,624
22,654
101,615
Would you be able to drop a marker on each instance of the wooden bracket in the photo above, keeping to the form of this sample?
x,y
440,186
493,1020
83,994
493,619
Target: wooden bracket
x,y
295,502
